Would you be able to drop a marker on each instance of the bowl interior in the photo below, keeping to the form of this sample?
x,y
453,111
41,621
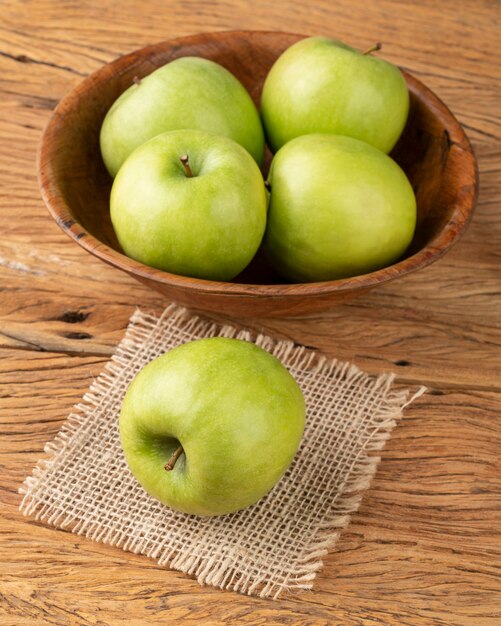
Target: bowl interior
x,y
78,176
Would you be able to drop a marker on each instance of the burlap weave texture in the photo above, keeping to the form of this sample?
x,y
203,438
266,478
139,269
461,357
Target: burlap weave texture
x,y
274,546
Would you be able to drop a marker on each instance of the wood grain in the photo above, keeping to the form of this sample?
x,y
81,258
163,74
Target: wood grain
x,y
425,546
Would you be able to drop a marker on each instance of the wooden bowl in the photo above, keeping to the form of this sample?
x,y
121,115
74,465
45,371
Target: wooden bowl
x,y
433,151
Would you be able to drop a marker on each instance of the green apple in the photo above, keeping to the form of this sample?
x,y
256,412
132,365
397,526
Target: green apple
x,y
339,207
320,85
190,203
209,427
189,92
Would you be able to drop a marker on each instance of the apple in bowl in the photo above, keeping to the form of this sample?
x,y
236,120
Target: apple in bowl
x,y
321,85
190,203
338,208
189,93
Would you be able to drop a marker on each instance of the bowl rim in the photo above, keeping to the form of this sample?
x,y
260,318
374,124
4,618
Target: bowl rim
x,y
60,211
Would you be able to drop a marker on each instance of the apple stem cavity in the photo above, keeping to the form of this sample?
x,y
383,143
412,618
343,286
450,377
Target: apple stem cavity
x,y
136,80
374,48
185,160
169,466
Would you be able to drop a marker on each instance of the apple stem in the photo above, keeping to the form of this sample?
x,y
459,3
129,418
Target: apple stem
x,y
136,80
185,160
374,48
169,466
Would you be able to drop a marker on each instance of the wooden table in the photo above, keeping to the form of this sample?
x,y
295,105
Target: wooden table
x,y
425,545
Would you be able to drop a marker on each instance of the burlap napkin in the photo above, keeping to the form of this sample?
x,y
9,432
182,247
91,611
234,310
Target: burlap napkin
x,y
276,545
